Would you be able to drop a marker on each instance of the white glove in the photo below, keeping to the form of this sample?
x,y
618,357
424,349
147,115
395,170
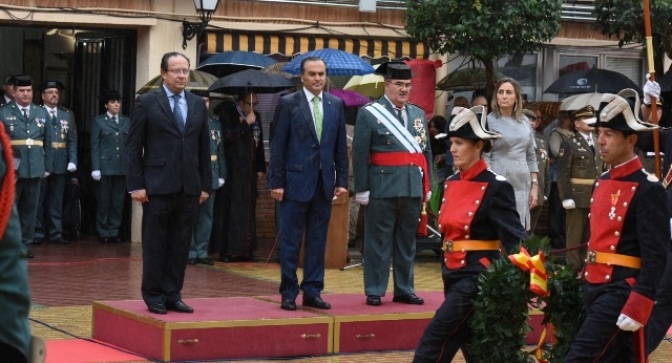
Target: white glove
x,y
362,198
627,324
428,196
651,89
440,136
95,175
568,204
220,182
46,174
72,167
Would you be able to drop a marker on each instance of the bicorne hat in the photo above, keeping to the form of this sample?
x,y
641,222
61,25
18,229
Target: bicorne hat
x,y
470,123
620,112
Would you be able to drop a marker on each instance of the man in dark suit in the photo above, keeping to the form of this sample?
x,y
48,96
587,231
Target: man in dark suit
x,y
169,172
309,166
7,90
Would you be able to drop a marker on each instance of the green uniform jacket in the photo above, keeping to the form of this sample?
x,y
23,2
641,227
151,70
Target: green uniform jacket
x,y
35,160
216,150
372,136
62,130
15,301
108,140
577,161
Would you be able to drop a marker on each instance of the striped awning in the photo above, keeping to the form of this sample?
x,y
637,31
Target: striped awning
x,y
291,44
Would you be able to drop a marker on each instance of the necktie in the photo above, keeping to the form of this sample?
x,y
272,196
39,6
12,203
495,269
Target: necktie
x,y
25,112
115,119
53,117
400,114
590,143
318,117
177,113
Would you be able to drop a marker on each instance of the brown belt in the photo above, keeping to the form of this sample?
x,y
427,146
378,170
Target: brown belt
x,y
213,157
595,257
582,181
471,245
58,145
27,142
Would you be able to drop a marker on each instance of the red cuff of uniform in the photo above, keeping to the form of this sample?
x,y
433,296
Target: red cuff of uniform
x,y
638,308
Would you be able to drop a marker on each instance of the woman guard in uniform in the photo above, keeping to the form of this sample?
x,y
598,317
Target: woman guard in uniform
x,y
629,240
477,216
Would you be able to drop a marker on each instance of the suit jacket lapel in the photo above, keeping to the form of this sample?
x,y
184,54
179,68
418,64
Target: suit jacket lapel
x,y
191,105
162,100
302,104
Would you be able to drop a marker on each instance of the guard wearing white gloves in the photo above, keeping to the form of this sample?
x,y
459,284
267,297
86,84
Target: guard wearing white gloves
x,y
630,238
390,151
108,162
579,165
61,126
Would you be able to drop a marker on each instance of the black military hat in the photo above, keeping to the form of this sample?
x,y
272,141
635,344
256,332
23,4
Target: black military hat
x,y
110,95
586,111
620,112
51,84
10,79
394,70
201,93
22,80
470,123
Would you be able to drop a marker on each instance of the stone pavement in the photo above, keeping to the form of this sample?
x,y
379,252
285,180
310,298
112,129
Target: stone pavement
x,y
65,280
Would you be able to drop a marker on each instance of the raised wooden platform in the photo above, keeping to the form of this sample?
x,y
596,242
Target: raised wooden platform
x,y
243,328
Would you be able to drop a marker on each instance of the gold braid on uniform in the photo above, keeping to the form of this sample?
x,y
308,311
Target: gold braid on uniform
x,y
501,310
7,190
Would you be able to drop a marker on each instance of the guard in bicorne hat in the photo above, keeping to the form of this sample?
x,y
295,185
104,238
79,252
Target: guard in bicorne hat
x,y
391,152
629,241
478,216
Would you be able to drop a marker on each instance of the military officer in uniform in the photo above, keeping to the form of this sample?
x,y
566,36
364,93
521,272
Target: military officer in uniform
x,y
15,302
630,237
579,165
61,125
26,124
390,154
108,162
543,162
198,251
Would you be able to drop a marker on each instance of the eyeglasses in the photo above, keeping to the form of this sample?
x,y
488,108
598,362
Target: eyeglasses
x,y
252,104
402,85
177,72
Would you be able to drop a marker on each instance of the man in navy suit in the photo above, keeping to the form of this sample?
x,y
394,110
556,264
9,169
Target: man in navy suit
x,y
309,167
169,172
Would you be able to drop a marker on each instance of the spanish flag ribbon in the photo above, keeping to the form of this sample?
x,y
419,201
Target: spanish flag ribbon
x,y
535,265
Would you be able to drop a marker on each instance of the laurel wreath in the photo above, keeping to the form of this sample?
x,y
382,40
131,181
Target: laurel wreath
x,y
500,319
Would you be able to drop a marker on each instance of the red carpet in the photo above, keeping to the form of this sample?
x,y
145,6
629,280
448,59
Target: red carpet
x,y
82,351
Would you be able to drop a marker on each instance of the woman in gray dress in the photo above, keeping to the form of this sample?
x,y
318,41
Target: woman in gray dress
x,y
513,155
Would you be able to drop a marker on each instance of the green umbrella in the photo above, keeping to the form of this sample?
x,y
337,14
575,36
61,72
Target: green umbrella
x,y
198,81
466,79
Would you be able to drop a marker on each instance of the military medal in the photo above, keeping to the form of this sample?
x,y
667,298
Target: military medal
x,y
64,128
614,200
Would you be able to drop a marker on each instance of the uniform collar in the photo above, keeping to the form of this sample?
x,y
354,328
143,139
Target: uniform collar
x,y
475,169
627,168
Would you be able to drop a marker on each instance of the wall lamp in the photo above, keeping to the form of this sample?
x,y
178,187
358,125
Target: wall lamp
x,y
205,8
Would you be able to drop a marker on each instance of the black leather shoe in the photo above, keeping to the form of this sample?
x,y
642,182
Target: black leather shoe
x,y
191,261
157,308
180,307
288,304
408,299
316,302
114,240
205,261
373,300
60,241
38,241
29,254
225,258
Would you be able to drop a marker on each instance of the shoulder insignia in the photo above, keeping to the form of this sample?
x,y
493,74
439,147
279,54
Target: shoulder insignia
x,y
497,176
650,177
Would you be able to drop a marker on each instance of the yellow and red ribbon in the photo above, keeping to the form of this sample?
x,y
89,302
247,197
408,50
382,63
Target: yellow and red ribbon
x,y
535,265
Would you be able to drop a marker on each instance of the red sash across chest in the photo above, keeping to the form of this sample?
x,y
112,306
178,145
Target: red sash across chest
x,y
462,200
611,200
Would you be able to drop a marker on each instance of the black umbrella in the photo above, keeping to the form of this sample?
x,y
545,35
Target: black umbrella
x,y
590,81
230,62
251,80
